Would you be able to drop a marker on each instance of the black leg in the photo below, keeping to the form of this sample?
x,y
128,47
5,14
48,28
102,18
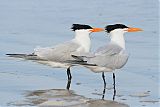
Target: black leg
x,y
69,78
104,90
114,86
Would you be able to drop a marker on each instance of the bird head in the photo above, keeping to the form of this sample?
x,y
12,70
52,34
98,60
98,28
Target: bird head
x,y
121,28
85,28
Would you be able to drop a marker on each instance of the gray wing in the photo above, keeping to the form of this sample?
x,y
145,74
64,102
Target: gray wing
x,y
58,53
110,56
109,49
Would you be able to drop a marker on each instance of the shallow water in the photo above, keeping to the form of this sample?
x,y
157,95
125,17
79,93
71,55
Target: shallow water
x,y
25,24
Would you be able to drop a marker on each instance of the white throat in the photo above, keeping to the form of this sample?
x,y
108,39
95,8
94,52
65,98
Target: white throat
x,y
82,37
118,38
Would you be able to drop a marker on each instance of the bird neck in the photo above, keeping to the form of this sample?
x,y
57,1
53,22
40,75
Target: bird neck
x,y
118,38
83,38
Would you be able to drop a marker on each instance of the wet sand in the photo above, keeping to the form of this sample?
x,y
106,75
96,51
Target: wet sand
x,y
63,98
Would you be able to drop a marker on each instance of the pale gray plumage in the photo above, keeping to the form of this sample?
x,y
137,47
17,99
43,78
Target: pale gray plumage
x,y
58,56
110,56
59,53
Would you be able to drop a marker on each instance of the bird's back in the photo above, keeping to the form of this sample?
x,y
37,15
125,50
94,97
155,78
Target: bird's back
x,y
59,53
110,56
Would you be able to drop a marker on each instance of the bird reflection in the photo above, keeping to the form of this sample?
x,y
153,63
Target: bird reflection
x,y
63,97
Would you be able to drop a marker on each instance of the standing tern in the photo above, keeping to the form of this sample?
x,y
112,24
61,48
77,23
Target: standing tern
x,y
111,56
57,55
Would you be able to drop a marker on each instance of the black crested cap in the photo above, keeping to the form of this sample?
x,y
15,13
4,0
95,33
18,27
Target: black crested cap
x,y
110,28
80,26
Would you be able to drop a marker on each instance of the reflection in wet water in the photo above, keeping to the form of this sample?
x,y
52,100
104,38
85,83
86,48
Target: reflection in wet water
x,y
62,97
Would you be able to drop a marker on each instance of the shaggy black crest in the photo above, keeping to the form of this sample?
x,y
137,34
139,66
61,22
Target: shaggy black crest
x,y
80,26
110,28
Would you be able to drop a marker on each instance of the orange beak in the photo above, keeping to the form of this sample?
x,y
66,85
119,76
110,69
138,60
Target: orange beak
x,y
97,30
131,29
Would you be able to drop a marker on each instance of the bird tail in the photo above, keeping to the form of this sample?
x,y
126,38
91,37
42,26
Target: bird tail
x,y
25,56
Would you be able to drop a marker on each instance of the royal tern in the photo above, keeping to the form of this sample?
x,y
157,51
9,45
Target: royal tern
x,y
111,56
58,55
